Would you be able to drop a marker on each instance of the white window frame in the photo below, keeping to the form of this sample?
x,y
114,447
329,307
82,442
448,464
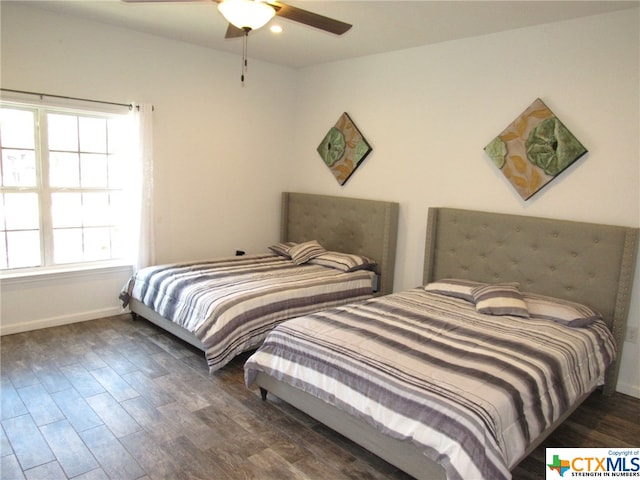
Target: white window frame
x,y
47,267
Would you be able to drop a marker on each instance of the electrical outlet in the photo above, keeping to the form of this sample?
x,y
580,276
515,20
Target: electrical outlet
x,y
632,335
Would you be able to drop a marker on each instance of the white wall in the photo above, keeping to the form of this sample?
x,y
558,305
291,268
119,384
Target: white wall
x,y
212,138
211,134
428,112
30,303
224,153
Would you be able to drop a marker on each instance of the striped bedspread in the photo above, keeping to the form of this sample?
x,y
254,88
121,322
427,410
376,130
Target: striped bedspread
x,y
471,390
231,303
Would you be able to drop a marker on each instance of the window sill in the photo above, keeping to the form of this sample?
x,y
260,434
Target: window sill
x,y
70,271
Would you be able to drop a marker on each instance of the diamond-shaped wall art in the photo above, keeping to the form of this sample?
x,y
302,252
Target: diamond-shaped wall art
x,y
534,149
343,149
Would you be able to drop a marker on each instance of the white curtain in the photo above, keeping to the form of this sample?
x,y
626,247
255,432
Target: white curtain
x,y
141,211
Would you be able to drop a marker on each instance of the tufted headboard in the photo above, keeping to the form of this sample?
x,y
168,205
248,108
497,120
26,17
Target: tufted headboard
x,y
349,225
584,262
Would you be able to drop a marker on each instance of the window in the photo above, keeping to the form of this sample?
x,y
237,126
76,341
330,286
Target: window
x,y
62,193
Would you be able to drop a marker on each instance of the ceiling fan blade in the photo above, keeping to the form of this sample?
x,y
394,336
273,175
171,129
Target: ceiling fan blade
x,y
233,32
309,18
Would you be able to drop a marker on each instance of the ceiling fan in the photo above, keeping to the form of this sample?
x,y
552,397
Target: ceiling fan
x,y
246,15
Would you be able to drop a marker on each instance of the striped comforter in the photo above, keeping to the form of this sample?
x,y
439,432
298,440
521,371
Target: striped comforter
x,y
471,390
231,303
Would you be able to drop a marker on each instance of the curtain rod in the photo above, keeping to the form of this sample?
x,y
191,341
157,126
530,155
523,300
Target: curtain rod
x,y
130,105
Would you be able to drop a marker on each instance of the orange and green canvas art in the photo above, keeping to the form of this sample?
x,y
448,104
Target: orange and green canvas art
x,y
343,149
534,149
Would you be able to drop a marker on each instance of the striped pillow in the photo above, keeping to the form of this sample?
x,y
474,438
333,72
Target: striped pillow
x,y
346,262
303,252
560,311
282,249
454,287
502,299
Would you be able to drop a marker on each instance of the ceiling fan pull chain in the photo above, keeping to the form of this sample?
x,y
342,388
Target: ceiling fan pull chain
x,y
245,40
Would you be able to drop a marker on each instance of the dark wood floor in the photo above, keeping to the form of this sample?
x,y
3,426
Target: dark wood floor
x,y
118,399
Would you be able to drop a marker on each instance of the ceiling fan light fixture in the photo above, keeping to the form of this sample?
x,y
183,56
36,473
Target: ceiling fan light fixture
x,y
246,13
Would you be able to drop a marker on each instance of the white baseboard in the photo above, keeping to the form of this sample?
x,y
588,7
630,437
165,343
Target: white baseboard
x,y
628,389
57,321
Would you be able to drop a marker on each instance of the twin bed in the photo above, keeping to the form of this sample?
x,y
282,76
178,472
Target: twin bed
x,y
464,376
515,324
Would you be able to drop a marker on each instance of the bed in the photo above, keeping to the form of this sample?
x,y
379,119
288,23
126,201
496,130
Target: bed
x,y
457,431
226,306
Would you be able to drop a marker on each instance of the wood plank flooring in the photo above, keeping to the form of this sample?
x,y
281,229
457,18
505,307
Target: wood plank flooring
x,y
118,399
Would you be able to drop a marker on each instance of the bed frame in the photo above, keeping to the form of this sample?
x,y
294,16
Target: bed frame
x,y
349,225
588,263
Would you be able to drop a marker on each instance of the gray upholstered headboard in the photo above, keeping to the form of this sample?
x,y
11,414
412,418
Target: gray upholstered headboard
x,y
349,225
588,263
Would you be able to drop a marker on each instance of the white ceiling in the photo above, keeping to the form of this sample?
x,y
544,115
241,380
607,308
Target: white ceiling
x,y
378,26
